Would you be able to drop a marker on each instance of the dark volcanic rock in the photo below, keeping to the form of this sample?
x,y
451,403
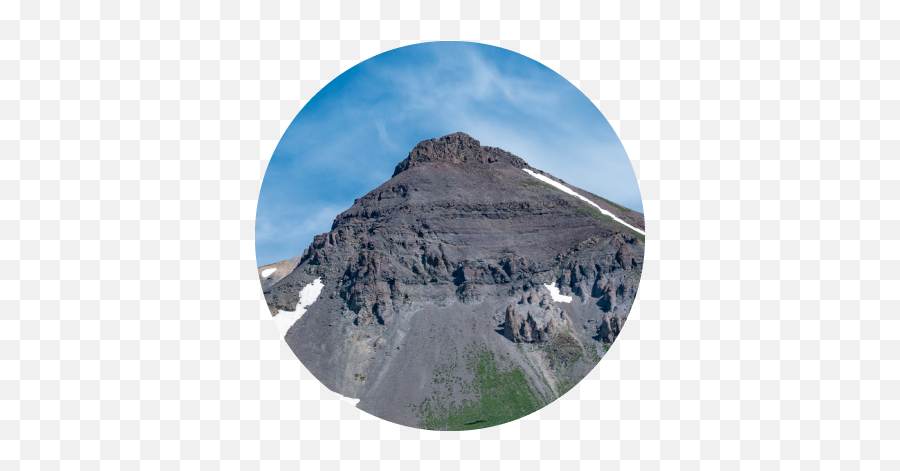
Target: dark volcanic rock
x,y
458,148
444,265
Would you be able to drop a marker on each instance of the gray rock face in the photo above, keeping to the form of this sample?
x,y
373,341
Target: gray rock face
x,y
457,149
535,318
435,278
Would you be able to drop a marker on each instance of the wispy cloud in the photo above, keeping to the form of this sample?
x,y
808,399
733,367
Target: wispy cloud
x,y
283,232
385,137
349,137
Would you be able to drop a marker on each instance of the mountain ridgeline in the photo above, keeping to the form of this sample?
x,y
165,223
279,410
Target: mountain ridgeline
x,y
445,292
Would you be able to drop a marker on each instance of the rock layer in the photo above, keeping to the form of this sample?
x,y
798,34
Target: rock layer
x,y
446,262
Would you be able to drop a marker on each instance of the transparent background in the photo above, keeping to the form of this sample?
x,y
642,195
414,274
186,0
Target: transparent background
x,y
134,137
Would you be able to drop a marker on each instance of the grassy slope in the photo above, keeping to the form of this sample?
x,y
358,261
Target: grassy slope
x,y
504,394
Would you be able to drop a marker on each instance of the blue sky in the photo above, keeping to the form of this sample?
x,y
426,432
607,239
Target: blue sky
x,y
349,137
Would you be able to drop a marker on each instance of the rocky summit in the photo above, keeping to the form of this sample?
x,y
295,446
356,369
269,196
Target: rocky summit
x,y
467,291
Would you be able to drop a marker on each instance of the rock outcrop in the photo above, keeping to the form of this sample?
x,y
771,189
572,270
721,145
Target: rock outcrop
x,y
535,318
442,268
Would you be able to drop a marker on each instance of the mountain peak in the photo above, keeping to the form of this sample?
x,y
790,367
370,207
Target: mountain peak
x,y
456,148
462,272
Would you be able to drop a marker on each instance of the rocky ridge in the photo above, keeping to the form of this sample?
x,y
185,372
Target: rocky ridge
x,y
437,276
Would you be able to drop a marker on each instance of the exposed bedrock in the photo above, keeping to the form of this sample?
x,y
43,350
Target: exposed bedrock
x,y
443,268
535,318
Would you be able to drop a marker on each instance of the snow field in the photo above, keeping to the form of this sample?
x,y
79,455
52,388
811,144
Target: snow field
x,y
569,191
308,295
554,293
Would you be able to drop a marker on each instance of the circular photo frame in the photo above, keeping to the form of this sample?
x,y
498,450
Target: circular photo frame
x,y
450,235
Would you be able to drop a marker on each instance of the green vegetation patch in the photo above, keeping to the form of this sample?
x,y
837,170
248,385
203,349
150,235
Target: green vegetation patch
x,y
633,274
528,182
504,393
637,235
594,214
617,206
592,355
563,350
587,210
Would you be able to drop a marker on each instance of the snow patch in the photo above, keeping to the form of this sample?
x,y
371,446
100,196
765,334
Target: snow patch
x,y
554,293
308,295
349,400
569,191
268,271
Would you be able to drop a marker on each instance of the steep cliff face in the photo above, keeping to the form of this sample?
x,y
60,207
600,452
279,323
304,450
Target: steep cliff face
x,y
436,311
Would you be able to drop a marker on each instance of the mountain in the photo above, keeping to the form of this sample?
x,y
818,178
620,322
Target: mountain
x,y
468,290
